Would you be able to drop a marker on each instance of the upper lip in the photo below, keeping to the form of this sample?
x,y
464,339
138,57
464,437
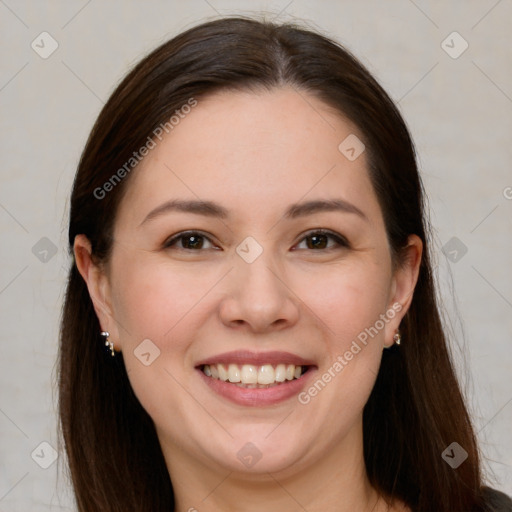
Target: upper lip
x,y
242,357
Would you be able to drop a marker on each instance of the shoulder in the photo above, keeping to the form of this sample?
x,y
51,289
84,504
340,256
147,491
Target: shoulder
x,y
496,500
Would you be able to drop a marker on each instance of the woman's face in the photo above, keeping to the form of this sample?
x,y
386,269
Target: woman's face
x,y
274,254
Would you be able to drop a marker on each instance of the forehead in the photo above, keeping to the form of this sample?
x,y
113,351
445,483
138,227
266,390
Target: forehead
x,y
253,152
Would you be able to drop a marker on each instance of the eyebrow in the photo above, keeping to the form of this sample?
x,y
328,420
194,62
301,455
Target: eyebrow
x,y
212,209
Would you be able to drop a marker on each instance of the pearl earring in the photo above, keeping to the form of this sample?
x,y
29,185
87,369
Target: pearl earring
x,y
108,343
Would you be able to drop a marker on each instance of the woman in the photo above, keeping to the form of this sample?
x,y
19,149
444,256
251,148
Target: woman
x,y
250,320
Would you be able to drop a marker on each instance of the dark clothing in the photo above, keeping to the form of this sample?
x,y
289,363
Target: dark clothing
x,y
497,501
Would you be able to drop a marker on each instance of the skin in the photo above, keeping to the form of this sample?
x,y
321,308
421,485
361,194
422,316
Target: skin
x,y
255,154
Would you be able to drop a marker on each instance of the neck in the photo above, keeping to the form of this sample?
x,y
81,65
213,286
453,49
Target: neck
x,y
336,481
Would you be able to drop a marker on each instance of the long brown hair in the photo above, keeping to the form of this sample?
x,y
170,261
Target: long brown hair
x,y
416,408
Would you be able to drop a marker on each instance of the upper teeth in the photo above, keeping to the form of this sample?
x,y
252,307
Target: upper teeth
x,y
250,374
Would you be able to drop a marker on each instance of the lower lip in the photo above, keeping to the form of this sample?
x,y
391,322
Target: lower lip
x,y
255,397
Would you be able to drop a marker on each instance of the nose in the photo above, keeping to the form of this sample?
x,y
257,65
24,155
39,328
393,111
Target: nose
x,y
258,298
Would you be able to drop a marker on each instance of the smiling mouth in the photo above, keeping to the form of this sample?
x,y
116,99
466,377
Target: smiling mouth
x,y
254,376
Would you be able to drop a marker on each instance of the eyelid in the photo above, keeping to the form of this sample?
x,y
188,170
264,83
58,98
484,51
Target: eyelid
x,y
173,239
340,240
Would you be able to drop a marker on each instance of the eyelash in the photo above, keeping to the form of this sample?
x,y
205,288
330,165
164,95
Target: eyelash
x,y
339,240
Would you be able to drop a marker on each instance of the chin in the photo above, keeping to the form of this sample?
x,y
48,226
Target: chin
x,y
254,450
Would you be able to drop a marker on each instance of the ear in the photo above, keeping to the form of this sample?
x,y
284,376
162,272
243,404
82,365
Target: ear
x,y
98,285
404,281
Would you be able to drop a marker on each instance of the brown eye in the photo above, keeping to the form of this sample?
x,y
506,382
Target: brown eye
x,y
191,240
322,240
317,241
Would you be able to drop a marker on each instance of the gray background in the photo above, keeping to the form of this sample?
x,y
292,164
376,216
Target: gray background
x,y
460,114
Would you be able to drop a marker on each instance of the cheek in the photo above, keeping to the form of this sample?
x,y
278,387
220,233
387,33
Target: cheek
x,y
347,298
157,302
349,301
154,298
